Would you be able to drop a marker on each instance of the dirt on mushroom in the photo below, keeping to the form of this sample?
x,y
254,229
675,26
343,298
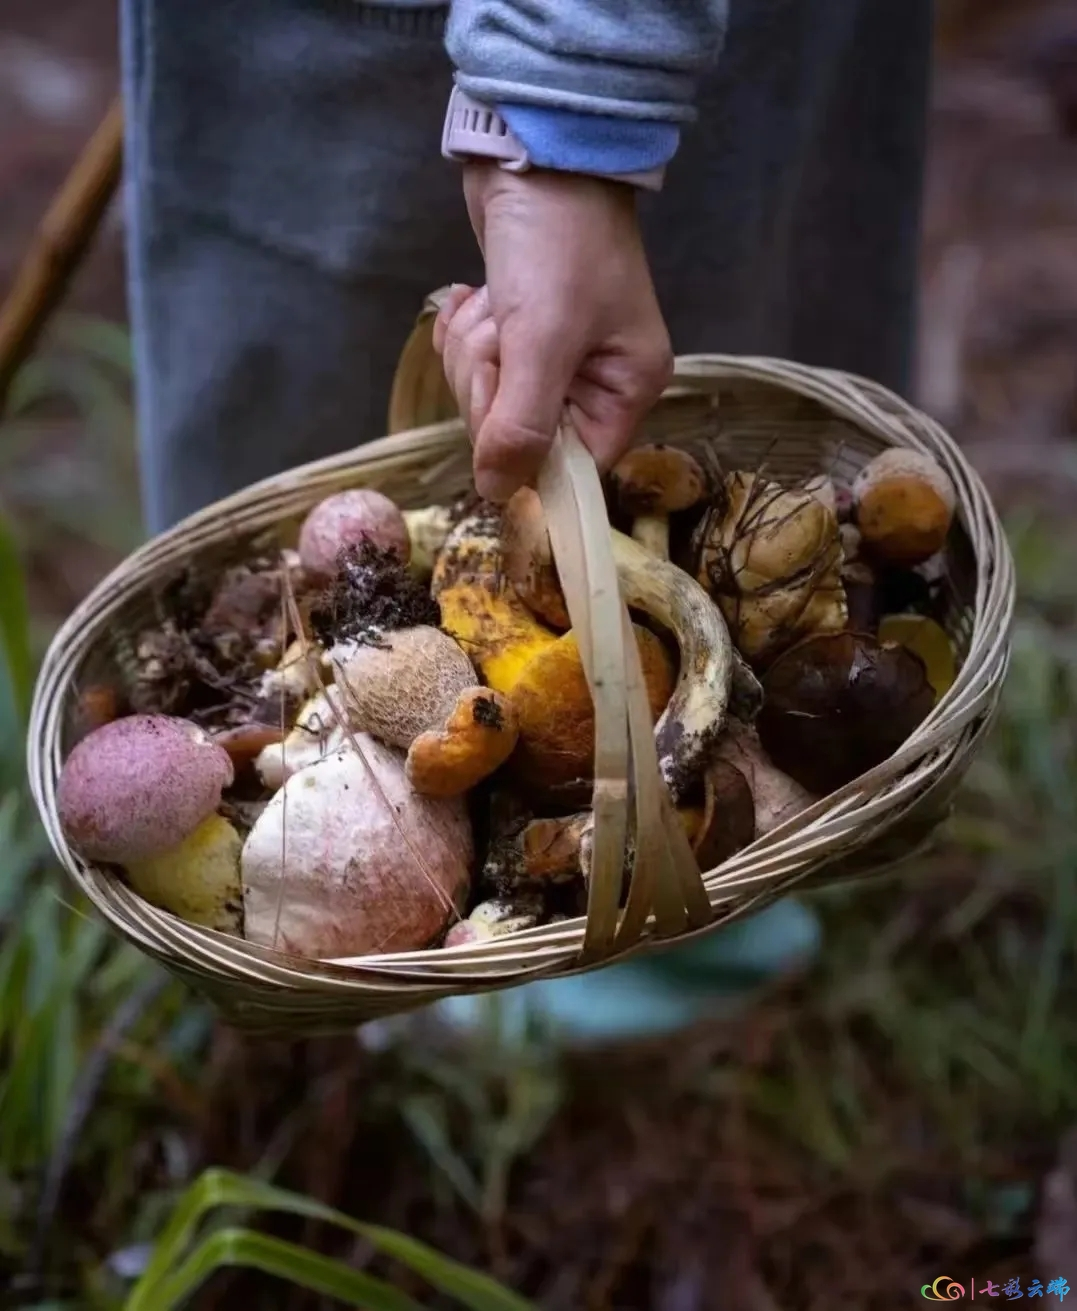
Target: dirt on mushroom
x,y
373,593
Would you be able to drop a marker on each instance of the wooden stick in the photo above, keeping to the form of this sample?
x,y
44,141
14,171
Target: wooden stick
x,y
62,239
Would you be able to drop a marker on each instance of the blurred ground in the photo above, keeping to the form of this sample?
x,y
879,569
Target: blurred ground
x,y
893,1117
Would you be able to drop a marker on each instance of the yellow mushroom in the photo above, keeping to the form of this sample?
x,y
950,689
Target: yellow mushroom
x,y
696,710
539,672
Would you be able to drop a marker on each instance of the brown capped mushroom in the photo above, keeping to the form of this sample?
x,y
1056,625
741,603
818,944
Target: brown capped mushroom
x,y
904,506
838,704
417,690
651,483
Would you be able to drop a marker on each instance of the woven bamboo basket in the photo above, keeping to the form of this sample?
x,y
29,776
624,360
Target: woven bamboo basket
x,y
801,421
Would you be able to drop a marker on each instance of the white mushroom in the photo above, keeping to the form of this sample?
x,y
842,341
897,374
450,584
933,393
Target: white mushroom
x,y
348,859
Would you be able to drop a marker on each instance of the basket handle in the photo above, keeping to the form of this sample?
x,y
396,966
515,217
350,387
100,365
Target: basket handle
x,y
634,815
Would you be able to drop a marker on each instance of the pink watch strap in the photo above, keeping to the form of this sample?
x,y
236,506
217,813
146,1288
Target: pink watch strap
x,y
476,131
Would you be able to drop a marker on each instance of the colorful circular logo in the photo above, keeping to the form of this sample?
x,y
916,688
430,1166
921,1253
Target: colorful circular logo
x,y
944,1289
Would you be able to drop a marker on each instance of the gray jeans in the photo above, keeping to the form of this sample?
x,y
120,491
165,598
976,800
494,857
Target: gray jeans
x,y
288,209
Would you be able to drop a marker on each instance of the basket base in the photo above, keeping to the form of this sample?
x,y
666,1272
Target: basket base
x,y
711,978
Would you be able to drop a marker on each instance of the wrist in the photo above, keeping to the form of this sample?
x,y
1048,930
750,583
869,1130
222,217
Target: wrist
x,y
520,138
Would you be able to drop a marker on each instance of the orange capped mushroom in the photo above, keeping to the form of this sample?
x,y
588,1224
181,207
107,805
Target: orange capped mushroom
x,y
904,506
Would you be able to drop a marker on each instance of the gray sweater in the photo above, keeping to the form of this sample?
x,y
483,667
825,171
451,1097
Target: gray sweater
x,y
632,60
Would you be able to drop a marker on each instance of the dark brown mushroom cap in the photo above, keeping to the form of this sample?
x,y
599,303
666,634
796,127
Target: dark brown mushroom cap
x,y
839,704
657,480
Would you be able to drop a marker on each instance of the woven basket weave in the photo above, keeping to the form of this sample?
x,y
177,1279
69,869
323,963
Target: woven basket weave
x,y
802,421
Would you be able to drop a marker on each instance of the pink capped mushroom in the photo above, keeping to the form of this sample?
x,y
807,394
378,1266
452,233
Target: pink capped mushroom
x,y
348,519
139,786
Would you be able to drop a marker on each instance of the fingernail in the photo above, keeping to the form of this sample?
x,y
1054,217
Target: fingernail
x,y
493,485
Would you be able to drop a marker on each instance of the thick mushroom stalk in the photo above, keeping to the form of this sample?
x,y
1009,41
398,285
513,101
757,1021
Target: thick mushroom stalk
x,y
695,716
319,730
653,482
695,713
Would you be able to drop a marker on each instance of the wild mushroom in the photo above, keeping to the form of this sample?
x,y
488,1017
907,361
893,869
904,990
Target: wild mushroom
x,y
496,918
905,505
296,676
926,639
839,704
724,822
417,690
319,730
772,559
98,704
427,531
348,859
534,852
198,880
539,672
347,519
776,797
137,787
651,483
542,853
696,710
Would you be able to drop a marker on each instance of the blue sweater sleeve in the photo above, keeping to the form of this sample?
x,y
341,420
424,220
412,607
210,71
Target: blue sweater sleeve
x,y
599,144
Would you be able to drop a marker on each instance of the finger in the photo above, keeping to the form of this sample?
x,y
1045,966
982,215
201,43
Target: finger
x,y
513,440
477,351
471,312
457,294
483,390
470,342
609,399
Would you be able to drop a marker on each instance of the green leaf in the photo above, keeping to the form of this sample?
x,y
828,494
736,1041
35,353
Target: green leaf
x,y
221,1188
275,1256
15,657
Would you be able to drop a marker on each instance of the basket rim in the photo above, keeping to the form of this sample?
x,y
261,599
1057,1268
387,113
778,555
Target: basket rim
x,y
933,757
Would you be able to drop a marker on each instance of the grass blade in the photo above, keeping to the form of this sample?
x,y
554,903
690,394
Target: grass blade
x,y
222,1188
275,1256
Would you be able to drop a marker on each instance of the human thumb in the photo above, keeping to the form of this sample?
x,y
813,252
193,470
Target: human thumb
x,y
519,427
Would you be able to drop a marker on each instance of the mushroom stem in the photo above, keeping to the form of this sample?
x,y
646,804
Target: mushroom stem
x,y
651,531
427,529
651,482
776,796
689,727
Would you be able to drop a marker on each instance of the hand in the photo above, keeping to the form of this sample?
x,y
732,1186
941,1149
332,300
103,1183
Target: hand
x,y
568,314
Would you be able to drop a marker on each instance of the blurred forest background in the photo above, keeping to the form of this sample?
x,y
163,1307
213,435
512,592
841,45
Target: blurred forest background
x,y
905,1110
